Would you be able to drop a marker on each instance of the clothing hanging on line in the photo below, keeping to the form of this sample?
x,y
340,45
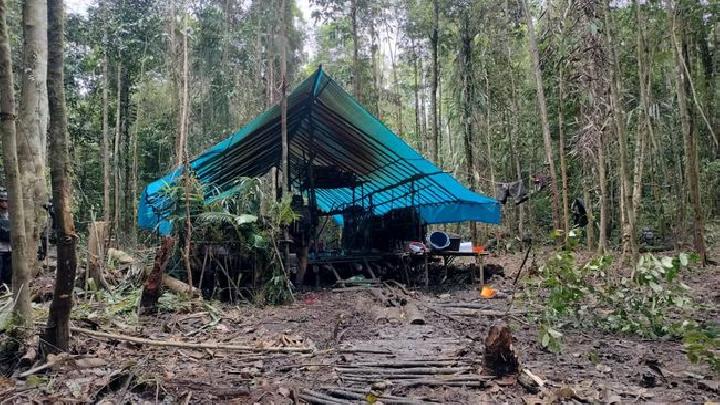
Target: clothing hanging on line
x,y
515,189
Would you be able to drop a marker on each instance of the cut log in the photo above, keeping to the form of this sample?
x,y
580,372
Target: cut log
x,y
151,289
97,234
500,357
120,256
530,381
177,286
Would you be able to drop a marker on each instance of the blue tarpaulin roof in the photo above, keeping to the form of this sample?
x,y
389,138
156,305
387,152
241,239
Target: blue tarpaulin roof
x,y
326,123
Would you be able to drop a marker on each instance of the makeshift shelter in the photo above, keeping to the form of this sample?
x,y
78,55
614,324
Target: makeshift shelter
x,y
340,156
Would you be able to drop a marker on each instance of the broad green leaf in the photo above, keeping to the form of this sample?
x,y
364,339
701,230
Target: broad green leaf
x,y
246,219
545,340
554,333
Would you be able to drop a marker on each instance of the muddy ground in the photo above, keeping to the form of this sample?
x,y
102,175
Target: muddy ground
x,y
360,350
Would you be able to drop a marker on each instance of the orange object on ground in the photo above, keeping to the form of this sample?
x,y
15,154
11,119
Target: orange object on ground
x,y
488,292
479,249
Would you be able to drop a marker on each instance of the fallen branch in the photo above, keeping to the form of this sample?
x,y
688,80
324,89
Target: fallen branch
x,y
315,397
405,364
393,371
52,361
188,345
352,350
177,286
478,383
354,395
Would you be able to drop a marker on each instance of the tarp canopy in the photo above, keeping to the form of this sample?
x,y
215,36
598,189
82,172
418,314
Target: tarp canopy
x,y
328,127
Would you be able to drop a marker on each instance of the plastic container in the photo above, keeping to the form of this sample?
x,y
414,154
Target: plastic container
x,y
466,247
454,245
438,240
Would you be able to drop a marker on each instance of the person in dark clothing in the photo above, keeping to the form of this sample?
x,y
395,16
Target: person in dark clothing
x,y
579,214
5,246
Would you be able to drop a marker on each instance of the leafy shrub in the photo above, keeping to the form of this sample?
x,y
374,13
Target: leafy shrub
x,y
703,345
650,303
642,303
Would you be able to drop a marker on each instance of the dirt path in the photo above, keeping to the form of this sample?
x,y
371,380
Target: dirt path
x,y
364,350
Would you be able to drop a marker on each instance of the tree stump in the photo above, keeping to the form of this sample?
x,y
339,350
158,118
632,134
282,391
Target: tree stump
x,y
151,289
499,354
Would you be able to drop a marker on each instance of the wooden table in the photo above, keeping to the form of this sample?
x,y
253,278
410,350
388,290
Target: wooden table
x,y
449,255
331,260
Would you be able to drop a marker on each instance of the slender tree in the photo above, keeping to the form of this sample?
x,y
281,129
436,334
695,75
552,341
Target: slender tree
x,y
184,155
542,103
627,213
57,332
682,86
105,151
116,154
645,125
8,135
32,125
355,59
435,140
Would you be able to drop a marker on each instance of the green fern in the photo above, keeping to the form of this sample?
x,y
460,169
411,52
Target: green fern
x,y
224,218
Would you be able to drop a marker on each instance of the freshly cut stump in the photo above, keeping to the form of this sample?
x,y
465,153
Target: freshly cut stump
x,y
151,290
500,357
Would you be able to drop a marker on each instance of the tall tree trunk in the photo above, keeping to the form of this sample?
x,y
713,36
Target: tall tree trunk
x,y
563,164
488,133
466,54
106,141
434,141
57,332
628,218
32,125
416,88
692,169
185,154
139,114
588,205
127,158
441,156
602,180
398,92
467,109
423,109
515,111
355,60
375,101
116,154
174,65
646,127
542,103
8,135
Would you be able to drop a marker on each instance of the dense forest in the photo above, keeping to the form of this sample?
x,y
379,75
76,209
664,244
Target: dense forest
x,y
616,103
613,105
